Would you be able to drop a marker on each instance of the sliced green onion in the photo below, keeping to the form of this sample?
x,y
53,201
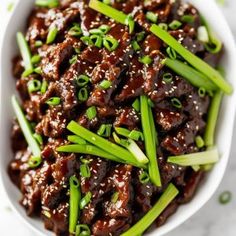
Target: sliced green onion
x,y
96,40
73,60
122,131
44,87
193,76
150,141
202,92
130,22
85,200
84,171
75,196
140,36
171,53
153,128
47,214
147,60
86,40
166,198
47,3
53,101
109,11
52,34
136,46
34,161
26,129
136,135
144,177
199,142
35,59
195,61
150,103
24,50
200,158
82,230
75,30
176,103
110,43
175,24
105,130
102,143
137,152
83,94
38,70
212,119
187,18
136,105
38,43
91,112
76,139
151,16
34,86
28,72
38,138
115,197
96,31
90,150
82,80
167,78
163,26
105,84
202,34
225,197
105,28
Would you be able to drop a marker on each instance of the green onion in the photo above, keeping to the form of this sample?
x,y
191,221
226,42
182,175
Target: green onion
x,y
38,70
199,142
82,230
136,135
136,46
86,40
202,92
26,129
115,197
207,167
85,200
75,30
195,61
171,53
202,34
193,76
84,171
76,139
163,26
82,80
151,16
96,31
44,87
105,130
122,131
187,18
28,72
105,28
136,105
110,43
47,3
137,152
130,22
102,143
73,60
144,177
109,11
150,103
90,150
105,84
147,60
166,198
196,168
212,119
38,43
107,2
175,24
34,161
176,103
52,34
38,138
75,196
91,112
24,50
34,86
225,197
96,40
150,141
53,101
140,36
35,59
200,158
83,94
167,78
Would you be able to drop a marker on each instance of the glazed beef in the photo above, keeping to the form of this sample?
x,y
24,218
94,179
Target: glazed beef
x,y
118,197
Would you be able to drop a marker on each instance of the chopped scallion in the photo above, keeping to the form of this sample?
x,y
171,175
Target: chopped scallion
x,y
144,177
83,94
47,3
85,200
34,162
82,80
176,103
115,197
105,84
91,112
34,86
53,101
82,230
76,139
199,142
75,30
151,16
136,105
147,60
110,43
175,24
85,171
52,34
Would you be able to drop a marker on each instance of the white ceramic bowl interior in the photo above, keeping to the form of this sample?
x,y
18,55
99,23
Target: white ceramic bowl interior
x,y
225,124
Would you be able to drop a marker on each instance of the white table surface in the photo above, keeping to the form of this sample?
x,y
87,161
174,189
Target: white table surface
x,y
212,220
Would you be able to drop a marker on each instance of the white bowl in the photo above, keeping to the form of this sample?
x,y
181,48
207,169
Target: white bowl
x,y
225,124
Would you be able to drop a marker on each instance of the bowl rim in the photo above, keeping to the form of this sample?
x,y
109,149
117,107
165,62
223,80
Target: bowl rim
x,y
167,227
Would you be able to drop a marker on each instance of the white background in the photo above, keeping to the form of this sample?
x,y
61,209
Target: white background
x,y
213,220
